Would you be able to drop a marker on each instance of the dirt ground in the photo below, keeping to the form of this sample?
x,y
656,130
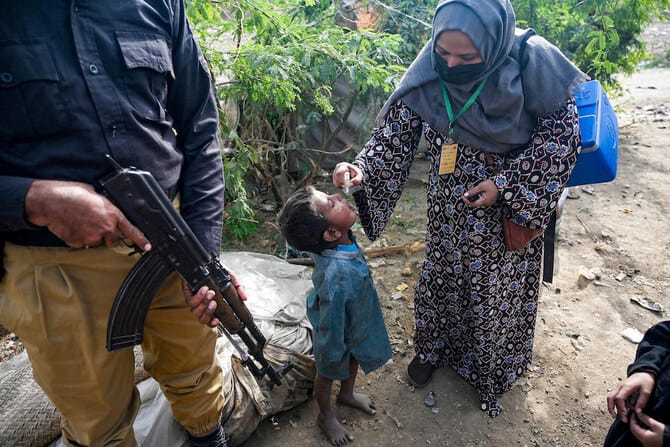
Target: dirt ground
x,y
612,246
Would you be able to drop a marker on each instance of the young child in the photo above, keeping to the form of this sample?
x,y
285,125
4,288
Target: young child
x,y
343,307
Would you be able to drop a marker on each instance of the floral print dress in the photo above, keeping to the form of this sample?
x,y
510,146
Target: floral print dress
x,y
475,302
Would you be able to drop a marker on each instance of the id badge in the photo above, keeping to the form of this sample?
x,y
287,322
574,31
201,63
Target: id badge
x,y
448,158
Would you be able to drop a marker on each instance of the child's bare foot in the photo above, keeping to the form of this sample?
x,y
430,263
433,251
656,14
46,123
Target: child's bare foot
x,y
336,434
361,401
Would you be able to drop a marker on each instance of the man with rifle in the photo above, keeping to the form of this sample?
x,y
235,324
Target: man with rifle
x,y
80,81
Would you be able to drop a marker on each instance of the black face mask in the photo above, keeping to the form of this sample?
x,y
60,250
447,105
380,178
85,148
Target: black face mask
x,y
459,74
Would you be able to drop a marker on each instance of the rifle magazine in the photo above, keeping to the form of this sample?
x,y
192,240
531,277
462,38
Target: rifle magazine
x,y
125,327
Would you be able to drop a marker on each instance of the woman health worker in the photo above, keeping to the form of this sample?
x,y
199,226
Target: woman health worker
x,y
502,131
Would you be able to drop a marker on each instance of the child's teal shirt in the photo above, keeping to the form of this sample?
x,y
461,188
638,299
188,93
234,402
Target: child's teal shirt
x,y
345,313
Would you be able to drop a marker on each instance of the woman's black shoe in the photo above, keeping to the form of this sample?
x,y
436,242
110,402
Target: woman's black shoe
x,y
418,373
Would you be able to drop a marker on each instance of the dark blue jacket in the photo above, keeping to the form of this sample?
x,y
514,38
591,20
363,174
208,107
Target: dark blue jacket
x,y
80,79
653,356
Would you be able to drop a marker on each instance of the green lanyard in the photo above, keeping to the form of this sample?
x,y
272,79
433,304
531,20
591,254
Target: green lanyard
x,y
467,105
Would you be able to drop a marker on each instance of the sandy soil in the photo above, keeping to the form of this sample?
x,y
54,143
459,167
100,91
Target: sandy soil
x,y
613,244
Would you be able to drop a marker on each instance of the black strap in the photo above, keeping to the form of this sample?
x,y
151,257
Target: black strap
x,y
550,232
522,46
549,248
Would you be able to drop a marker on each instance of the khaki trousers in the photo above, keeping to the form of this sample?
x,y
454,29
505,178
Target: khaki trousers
x,y
57,300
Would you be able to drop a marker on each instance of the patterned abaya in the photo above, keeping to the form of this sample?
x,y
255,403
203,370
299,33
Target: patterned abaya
x,y
475,303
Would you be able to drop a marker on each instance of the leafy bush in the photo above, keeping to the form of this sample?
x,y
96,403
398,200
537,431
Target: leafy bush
x,y
282,59
602,37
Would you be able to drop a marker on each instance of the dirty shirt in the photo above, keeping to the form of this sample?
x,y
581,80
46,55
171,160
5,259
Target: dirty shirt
x,y
475,303
345,313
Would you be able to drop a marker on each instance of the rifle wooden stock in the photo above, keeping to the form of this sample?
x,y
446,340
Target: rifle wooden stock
x,y
174,249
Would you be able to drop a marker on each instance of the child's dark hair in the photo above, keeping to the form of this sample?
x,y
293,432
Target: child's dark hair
x,y
301,224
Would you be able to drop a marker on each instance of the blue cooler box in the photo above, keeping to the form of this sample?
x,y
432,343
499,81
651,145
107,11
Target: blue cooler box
x,y
599,129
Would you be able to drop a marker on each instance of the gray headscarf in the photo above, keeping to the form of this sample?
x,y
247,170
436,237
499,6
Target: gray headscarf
x,y
516,92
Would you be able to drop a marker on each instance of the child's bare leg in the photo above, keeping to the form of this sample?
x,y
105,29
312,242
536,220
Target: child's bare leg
x,y
347,396
328,422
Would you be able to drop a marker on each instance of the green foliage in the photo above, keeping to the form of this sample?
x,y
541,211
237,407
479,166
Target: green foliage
x,y
409,18
281,60
601,36
240,217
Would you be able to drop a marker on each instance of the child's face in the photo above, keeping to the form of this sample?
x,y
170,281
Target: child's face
x,y
337,211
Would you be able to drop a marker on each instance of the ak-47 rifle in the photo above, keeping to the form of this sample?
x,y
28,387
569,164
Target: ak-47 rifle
x,y
174,249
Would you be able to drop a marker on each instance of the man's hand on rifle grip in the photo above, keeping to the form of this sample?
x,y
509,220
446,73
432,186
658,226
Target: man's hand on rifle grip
x,y
202,302
238,286
78,215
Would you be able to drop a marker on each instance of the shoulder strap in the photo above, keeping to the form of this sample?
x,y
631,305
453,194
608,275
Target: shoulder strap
x,y
522,45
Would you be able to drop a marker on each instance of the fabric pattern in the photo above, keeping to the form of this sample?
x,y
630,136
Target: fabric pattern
x,y
475,303
346,315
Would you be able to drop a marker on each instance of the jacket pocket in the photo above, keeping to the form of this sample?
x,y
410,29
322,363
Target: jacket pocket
x,y
148,62
30,98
